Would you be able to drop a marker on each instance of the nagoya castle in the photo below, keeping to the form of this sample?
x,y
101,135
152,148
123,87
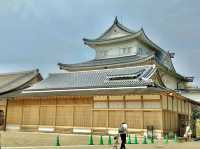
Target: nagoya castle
x,y
131,79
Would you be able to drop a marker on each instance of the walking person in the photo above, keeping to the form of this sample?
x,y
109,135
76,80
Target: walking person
x,y
188,133
123,133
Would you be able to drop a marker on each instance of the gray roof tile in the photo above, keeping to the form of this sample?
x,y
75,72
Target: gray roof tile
x,y
121,77
104,62
12,81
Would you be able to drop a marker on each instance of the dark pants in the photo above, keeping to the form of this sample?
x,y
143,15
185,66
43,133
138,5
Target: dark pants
x,y
123,139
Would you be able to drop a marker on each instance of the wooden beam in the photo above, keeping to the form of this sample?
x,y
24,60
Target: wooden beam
x,y
108,112
6,111
73,102
161,105
124,104
167,103
22,111
56,112
92,113
142,112
39,111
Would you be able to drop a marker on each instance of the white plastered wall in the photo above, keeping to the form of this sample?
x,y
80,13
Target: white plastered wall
x,y
169,81
125,48
192,95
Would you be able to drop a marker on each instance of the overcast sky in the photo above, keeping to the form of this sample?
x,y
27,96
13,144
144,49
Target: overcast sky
x,y
41,33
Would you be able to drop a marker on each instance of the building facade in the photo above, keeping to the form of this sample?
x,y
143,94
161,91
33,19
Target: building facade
x,y
11,85
130,80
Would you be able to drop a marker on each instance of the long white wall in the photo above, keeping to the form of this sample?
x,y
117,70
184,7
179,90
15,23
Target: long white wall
x,y
120,49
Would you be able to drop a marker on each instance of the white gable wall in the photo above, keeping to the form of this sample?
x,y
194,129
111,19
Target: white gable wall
x,y
169,81
125,48
114,32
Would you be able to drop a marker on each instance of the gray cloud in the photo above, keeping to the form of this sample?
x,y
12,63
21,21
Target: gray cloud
x,y
35,33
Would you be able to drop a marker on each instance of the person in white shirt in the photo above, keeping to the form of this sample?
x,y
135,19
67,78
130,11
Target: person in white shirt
x,y
188,133
123,132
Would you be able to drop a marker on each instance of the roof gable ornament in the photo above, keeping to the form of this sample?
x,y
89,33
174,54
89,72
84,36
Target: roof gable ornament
x,y
116,20
171,54
116,30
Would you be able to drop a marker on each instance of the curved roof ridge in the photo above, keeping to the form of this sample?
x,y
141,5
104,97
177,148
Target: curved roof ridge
x,y
112,58
17,81
19,72
115,23
110,69
107,62
117,39
88,41
154,44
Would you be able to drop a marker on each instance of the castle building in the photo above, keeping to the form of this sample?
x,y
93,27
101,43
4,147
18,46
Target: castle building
x,y
131,79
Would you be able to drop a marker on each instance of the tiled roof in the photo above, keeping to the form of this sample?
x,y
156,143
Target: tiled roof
x,y
119,62
117,24
12,81
106,62
107,78
95,92
100,41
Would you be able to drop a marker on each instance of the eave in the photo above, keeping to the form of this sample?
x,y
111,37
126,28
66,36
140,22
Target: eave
x,y
20,82
112,40
140,35
97,91
172,73
76,67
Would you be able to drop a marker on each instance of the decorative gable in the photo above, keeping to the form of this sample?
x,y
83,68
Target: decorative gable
x,y
114,32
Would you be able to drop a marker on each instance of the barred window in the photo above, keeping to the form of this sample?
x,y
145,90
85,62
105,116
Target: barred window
x,y
100,105
1,117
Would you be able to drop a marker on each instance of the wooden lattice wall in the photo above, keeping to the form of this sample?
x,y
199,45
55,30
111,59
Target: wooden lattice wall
x,y
138,111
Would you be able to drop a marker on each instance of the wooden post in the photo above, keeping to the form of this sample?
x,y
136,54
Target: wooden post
x,y
167,103
108,112
124,102
22,108
73,103
161,106
6,111
167,120
177,113
39,111
142,101
55,112
172,114
92,112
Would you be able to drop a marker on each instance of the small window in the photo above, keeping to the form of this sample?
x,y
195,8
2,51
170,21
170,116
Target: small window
x,y
140,51
116,105
124,50
152,104
1,117
133,104
129,50
125,76
100,105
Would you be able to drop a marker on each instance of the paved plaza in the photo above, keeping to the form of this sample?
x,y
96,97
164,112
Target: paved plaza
x,y
30,140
